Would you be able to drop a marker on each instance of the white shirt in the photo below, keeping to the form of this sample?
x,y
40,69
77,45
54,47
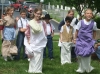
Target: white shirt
x,y
23,24
48,28
87,23
67,29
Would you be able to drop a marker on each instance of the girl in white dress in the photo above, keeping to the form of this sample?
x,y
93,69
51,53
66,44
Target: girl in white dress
x,y
35,41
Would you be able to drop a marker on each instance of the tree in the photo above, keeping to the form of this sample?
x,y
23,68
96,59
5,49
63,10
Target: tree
x,y
80,5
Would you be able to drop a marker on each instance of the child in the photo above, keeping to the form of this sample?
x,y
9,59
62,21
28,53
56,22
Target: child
x,y
35,41
8,33
49,33
85,35
22,23
66,36
73,24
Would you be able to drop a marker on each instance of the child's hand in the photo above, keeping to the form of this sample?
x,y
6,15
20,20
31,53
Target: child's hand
x,y
17,18
29,56
28,42
1,22
74,41
96,46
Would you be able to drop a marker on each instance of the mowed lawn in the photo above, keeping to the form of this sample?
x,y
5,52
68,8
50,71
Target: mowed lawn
x,y
49,66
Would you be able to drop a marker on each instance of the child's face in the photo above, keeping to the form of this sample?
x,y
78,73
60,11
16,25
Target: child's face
x,y
71,14
88,14
23,15
47,20
67,23
11,11
37,15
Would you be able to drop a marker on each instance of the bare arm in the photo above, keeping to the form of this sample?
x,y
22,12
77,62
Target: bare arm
x,y
60,37
76,34
22,29
94,34
53,33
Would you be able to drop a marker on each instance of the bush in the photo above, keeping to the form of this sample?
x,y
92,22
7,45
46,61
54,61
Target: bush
x,y
97,20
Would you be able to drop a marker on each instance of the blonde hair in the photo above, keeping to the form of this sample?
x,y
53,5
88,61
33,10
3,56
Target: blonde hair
x,y
87,10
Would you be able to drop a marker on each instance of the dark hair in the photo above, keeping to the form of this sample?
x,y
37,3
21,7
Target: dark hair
x,y
68,19
37,9
22,11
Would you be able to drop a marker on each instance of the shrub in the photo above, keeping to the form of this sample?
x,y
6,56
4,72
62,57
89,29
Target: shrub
x,y
97,20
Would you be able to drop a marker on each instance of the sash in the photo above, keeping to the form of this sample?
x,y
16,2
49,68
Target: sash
x,y
35,26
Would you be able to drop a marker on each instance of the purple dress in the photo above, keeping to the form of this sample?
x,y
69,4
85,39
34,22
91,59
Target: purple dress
x,y
85,43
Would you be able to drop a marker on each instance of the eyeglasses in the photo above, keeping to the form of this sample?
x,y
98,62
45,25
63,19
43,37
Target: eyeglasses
x,y
38,13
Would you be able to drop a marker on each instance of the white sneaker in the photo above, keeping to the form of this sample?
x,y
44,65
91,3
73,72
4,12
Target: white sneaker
x,y
28,59
11,58
5,58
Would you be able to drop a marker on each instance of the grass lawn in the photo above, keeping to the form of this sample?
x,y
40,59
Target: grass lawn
x,y
49,66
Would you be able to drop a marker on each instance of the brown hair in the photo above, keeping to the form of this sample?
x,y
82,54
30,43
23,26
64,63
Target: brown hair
x,y
23,11
70,11
7,9
35,10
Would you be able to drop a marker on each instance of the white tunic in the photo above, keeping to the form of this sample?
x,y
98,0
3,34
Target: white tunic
x,y
35,49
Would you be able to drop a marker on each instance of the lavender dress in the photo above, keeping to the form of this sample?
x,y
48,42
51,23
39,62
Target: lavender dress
x,y
85,43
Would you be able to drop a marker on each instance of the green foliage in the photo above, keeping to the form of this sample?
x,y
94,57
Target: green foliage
x,y
56,38
14,0
97,20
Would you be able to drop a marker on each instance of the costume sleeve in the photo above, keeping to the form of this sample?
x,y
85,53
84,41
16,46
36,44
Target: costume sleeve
x,y
61,30
61,24
27,32
95,26
53,28
19,24
78,25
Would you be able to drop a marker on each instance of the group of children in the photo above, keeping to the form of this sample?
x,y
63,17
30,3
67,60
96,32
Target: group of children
x,y
36,34
83,38
33,36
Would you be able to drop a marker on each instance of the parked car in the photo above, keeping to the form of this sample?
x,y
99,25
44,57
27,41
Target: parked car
x,y
17,6
28,2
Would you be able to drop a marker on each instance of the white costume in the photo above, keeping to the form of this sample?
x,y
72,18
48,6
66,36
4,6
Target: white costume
x,y
66,47
37,42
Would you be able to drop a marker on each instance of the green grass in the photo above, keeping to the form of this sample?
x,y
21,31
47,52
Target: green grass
x,y
56,38
49,67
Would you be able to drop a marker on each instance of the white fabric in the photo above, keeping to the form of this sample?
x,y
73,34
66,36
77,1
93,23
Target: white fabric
x,y
59,43
48,28
35,48
35,65
37,41
24,22
73,24
65,52
87,23
84,64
